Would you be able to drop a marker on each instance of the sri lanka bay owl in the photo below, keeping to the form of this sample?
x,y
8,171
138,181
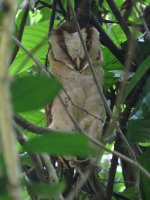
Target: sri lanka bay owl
x,y
69,65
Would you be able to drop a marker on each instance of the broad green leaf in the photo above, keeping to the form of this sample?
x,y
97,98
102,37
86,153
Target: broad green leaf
x,y
24,62
110,62
143,68
36,117
46,13
43,190
60,144
139,130
4,197
144,181
139,122
129,193
31,93
115,31
110,66
34,39
19,16
109,79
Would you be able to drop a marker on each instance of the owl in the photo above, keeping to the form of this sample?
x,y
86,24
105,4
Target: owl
x,y
69,65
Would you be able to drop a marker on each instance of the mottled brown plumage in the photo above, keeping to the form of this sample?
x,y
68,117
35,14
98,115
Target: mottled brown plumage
x,y
69,65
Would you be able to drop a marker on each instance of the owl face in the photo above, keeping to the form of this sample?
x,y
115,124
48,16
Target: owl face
x,y
67,48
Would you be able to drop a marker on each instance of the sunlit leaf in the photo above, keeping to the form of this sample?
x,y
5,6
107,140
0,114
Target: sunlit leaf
x,y
34,39
35,116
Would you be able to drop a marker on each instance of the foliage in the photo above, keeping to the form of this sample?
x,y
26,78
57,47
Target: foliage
x,y
31,91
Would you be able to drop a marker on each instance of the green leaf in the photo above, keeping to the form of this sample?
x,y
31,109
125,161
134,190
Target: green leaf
x,y
139,130
35,40
129,193
43,190
138,124
138,75
115,31
31,93
109,79
60,144
144,181
110,62
4,197
36,117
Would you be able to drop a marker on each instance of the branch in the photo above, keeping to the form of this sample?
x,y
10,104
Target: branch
x,y
47,5
31,127
144,21
21,30
125,28
62,9
82,180
105,40
7,134
37,162
83,12
112,172
132,24
120,19
52,18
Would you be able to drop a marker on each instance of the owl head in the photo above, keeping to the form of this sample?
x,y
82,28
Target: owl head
x,y
67,48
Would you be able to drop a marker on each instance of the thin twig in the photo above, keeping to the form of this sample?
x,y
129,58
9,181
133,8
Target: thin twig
x,y
82,180
80,108
143,20
52,18
106,40
21,30
36,160
125,28
25,124
133,24
62,9
39,168
120,19
112,172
